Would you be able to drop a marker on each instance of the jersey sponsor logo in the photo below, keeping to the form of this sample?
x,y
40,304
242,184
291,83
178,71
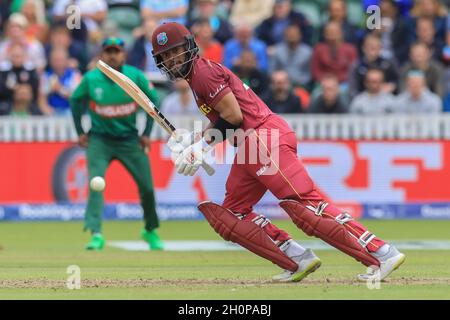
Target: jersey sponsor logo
x,y
114,111
98,92
205,109
212,95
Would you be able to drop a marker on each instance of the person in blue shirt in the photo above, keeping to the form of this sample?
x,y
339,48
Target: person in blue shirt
x,y
244,40
165,10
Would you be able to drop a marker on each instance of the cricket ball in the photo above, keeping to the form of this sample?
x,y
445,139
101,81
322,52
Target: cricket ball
x,y
97,184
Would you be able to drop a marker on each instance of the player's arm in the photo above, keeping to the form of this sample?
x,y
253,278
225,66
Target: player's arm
x,y
78,104
230,117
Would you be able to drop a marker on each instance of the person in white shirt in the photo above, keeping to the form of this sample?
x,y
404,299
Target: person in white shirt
x,y
417,98
374,100
181,101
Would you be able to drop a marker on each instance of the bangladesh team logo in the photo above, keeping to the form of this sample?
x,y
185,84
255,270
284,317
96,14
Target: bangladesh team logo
x,y
162,38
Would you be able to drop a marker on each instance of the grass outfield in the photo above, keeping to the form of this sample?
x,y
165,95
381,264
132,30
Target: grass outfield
x,y
34,258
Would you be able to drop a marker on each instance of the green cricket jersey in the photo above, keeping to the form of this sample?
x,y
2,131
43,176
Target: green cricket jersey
x,y
112,111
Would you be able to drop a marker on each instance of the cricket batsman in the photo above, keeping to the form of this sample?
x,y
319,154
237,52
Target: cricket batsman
x,y
114,136
231,105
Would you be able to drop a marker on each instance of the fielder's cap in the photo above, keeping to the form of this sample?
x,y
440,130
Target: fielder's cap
x,y
113,42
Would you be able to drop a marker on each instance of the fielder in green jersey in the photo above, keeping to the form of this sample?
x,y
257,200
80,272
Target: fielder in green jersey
x,y
114,135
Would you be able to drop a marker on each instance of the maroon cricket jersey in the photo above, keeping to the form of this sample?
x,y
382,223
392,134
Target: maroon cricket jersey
x,y
210,82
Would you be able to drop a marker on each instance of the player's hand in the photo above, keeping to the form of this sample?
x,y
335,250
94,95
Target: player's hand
x,y
179,141
191,158
83,140
144,141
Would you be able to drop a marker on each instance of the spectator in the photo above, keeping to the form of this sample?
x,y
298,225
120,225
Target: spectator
x,y
140,54
372,59
34,11
434,10
394,33
280,98
426,33
333,56
4,13
16,70
15,34
204,37
271,30
57,84
420,59
337,11
330,100
251,11
206,9
248,72
93,14
417,98
164,10
374,100
293,56
244,40
60,37
180,102
22,104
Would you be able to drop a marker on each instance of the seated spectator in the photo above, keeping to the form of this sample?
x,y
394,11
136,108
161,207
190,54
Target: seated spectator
x,y
426,33
204,37
337,11
164,10
293,56
434,10
374,100
244,39
271,30
333,56
15,34
371,58
57,84
22,104
60,37
15,70
417,98
181,101
420,59
140,54
93,14
251,11
394,33
246,69
34,11
330,100
206,9
280,98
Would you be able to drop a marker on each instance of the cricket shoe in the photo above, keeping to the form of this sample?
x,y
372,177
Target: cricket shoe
x,y
97,242
308,262
388,263
153,239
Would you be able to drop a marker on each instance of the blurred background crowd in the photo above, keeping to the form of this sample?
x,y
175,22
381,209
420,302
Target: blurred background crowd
x,y
299,56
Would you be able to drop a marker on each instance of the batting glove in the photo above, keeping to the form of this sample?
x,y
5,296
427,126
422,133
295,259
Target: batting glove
x,y
190,159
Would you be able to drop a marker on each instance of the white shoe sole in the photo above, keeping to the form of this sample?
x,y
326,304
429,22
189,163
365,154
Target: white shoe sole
x,y
299,276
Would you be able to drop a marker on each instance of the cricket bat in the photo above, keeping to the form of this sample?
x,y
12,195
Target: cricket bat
x,y
141,99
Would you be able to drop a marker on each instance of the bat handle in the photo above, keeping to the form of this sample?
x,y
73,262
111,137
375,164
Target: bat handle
x,y
209,170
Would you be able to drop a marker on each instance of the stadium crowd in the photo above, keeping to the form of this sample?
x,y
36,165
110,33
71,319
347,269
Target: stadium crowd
x,y
299,56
